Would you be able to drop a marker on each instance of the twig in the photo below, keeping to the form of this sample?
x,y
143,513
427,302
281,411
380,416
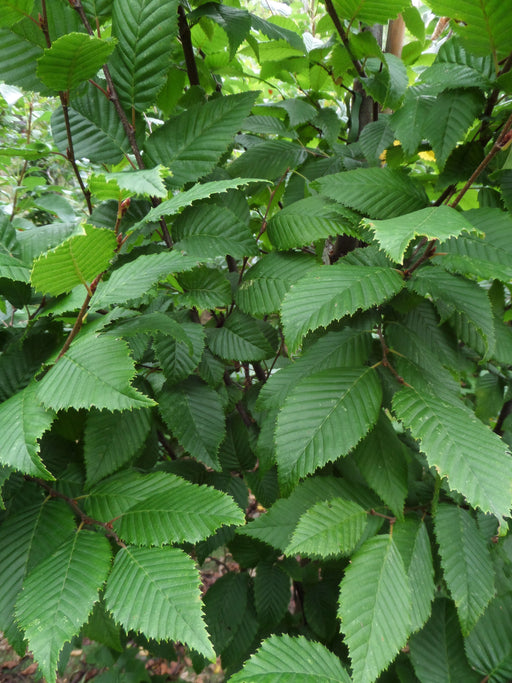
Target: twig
x,y
188,50
25,164
385,360
506,410
84,518
502,140
344,37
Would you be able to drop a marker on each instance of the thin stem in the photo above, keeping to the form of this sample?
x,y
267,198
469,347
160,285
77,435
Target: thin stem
x,y
502,140
506,410
64,100
84,518
390,518
385,360
344,37
188,49
76,327
428,253
25,164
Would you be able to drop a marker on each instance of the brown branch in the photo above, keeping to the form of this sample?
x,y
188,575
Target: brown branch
x,y
188,49
71,502
501,142
385,360
344,37
127,126
506,410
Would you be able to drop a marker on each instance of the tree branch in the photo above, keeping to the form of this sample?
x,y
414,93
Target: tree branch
x,y
188,49
344,37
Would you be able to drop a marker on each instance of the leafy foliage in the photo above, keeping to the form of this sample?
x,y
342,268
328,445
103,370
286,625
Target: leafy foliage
x,y
255,293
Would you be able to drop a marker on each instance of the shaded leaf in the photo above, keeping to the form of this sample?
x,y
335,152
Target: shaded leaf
x,y
156,591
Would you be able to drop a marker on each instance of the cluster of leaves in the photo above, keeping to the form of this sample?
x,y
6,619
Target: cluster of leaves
x,y
252,320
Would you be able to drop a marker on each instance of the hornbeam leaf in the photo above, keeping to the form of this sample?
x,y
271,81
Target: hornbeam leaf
x,y
95,371
328,529
76,261
72,59
464,300
243,338
145,30
27,537
194,414
466,563
308,220
133,279
12,11
489,645
378,192
59,593
328,293
375,607
474,459
235,22
181,511
369,11
145,182
97,131
325,415
437,651
23,421
198,191
13,269
436,222
191,143
156,591
286,659
113,439
412,540
484,27
449,119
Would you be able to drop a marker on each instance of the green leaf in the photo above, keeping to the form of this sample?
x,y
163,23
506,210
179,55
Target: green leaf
x,y
156,591
72,59
271,593
437,651
23,421
112,439
146,183
225,604
13,269
369,11
348,348
206,229
276,526
11,12
438,222
374,631
408,122
59,593
243,338
179,358
308,434
484,27
412,540
286,659
155,323
97,131
270,159
193,412
475,255
177,511
466,563
460,447
276,32
449,119
267,281
144,30
94,372
381,459
235,22
77,261
191,143
328,529
133,279
378,192
199,191
18,61
328,293
27,537
489,645
205,288
306,221
464,300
